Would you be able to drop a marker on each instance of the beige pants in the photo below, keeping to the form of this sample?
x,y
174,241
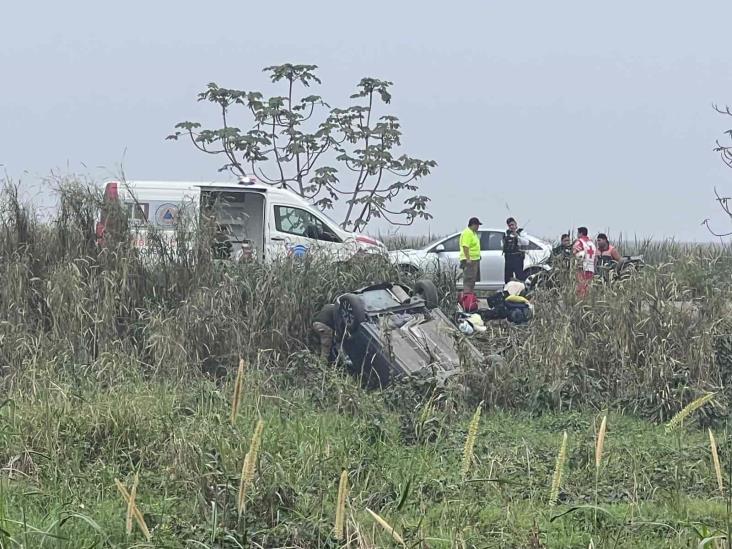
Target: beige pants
x,y
326,338
471,274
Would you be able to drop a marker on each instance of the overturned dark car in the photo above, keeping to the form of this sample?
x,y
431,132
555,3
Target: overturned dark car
x,y
390,331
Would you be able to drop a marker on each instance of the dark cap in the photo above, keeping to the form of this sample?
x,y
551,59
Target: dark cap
x,y
474,221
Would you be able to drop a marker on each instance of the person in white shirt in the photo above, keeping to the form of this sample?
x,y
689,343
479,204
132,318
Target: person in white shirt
x,y
585,251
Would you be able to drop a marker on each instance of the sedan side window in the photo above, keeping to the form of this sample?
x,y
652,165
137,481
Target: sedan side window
x,y
491,241
450,245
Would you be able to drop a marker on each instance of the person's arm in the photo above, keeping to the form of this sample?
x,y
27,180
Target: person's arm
x,y
615,254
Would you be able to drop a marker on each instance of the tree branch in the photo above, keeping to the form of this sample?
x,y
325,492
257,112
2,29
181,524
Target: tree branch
x,y
359,181
233,162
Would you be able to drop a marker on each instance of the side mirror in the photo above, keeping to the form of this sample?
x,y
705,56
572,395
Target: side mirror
x,y
439,248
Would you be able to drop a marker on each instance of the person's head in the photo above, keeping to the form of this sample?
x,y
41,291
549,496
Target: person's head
x,y
602,242
582,231
565,240
474,223
512,225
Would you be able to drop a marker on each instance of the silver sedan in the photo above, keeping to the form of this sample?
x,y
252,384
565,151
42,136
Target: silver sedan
x,y
445,253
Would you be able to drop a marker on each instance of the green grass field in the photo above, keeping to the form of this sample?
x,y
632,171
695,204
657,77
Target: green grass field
x,y
66,441
113,368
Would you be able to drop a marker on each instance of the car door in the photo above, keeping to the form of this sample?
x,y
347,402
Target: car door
x,y
235,218
296,232
447,253
491,261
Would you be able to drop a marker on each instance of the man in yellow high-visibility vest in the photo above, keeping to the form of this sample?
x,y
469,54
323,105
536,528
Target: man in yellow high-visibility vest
x,y
470,255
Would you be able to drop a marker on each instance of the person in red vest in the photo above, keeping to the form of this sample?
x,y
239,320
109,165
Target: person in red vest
x,y
605,249
608,258
585,251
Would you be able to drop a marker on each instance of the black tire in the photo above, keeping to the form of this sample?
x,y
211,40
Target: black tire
x,y
349,315
427,289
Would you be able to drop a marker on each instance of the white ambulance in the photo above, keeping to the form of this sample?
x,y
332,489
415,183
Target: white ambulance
x,y
254,220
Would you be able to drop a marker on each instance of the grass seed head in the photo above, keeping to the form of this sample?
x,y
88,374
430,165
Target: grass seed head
x,y
600,444
387,527
236,398
341,506
557,478
715,461
247,469
131,505
135,510
687,410
470,442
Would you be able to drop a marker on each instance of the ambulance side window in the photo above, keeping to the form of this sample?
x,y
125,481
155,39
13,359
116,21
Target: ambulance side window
x,y
299,222
137,212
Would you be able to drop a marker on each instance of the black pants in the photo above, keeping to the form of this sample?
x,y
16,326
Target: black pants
x,y
514,267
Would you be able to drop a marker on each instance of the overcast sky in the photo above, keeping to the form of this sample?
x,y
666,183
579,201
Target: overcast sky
x,y
569,112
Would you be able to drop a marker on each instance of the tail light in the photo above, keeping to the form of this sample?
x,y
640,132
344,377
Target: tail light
x,y
363,239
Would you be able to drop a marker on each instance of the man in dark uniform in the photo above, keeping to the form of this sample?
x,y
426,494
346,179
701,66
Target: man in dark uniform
x,y
564,248
562,252
512,252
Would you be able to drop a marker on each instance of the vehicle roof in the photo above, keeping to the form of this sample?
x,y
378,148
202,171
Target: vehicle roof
x,y
174,186
490,229
150,184
169,190
481,230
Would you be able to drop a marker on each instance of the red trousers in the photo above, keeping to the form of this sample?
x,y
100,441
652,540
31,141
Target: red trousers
x,y
583,283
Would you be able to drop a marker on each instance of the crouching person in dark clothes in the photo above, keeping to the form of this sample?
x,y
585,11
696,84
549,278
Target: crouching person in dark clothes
x,y
323,325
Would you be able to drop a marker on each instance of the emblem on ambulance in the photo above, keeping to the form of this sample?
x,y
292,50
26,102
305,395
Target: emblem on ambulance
x,y
297,250
166,215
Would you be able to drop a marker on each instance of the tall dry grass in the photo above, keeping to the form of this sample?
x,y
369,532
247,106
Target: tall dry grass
x,y
649,345
106,356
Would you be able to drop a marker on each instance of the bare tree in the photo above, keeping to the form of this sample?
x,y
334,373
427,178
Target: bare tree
x,y
725,152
